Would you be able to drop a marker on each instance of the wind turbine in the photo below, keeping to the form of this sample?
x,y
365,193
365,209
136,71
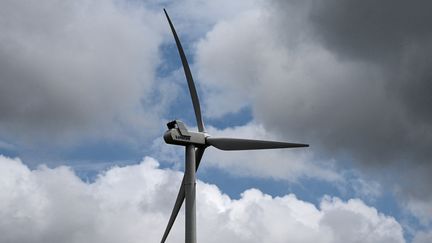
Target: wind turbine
x,y
195,143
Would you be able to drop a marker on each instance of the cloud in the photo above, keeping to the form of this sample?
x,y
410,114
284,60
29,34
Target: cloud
x,y
223,53
366,188
420,208
350,78
422,237
73,69
126,204
298,87
394,36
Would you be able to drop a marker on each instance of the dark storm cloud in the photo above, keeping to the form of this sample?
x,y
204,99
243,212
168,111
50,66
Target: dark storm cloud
x,y
397,35
380,111
373,30
352,78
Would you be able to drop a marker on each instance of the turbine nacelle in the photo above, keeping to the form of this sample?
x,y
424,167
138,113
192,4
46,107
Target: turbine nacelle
x,y
179,135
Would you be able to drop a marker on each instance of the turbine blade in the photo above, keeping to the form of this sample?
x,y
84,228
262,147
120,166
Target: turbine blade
x,y
175,211
249,144
181,196
188,74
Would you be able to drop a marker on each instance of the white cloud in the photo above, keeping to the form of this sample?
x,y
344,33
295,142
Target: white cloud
x,y
227,61
367,188
420,208
132,204
193,18
354,218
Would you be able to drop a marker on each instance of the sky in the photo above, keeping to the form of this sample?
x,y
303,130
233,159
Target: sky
x,y
87,88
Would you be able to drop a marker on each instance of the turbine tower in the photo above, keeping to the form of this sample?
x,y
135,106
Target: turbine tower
x,y
195,143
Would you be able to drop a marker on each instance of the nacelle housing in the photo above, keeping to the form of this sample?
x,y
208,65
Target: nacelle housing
x,y
179,135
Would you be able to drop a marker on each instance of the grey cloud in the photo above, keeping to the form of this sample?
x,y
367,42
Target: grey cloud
x,y
75,68
387,117
422,237
392,39
352,78
393,34
377,30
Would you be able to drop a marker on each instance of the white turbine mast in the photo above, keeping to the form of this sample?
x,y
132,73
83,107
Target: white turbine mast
x,y
195,143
